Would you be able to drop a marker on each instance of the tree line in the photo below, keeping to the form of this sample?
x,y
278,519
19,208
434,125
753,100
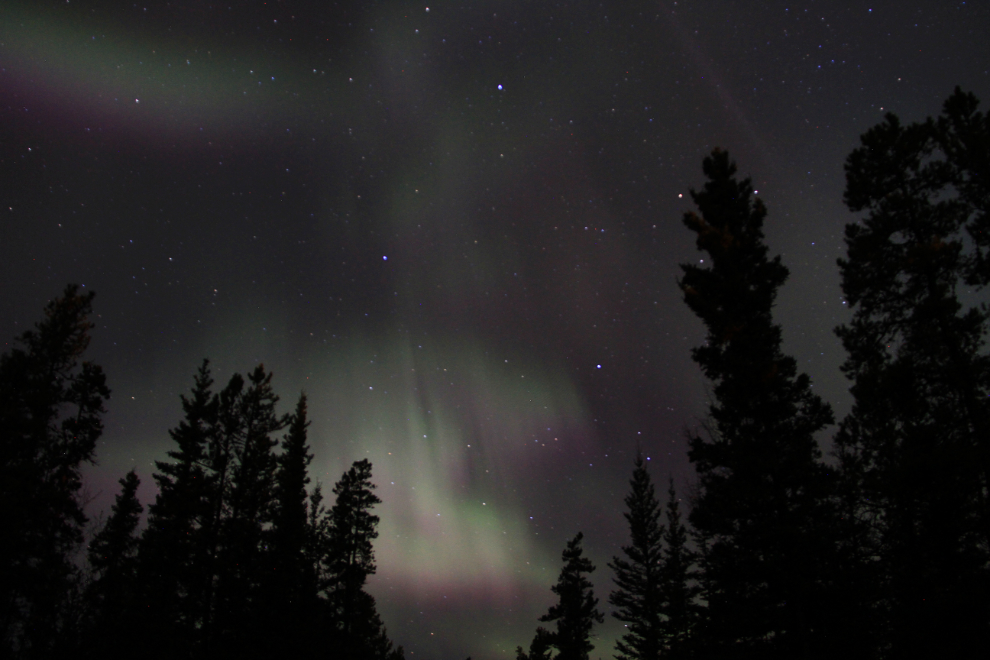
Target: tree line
x,y
884,550
239,559
880,551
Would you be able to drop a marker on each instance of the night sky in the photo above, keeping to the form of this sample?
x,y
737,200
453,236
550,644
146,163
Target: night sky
x,y
457,227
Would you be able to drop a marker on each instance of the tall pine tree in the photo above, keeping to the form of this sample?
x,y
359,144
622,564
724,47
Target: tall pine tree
x,y
914,450
249,420
574,614
174,567
51,405
292,586
224,438
639,596
763,489
679,607
111,596
357,629
655,594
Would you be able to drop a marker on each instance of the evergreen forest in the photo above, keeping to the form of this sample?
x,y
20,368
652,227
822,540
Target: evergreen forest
x,y
878,547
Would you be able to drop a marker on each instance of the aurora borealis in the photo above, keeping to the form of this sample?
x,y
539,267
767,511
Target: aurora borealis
x,y
457,229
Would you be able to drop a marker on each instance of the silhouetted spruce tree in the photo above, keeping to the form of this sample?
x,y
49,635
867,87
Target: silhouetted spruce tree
x,y
111,596
763,501
370,631
540,648
575,612
915,450
174,566
50,418
224,438
679,606
350,528
292,587
317,547
239,624
639,597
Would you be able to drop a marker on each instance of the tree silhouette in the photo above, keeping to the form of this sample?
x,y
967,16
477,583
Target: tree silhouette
x,y
202,558
639,597
575,612
50,419
174,566
238,560
225,436
112,552
112,556
317,545
914,450
292,587
541,648
655,596
249,421
763,489
679,605
350,528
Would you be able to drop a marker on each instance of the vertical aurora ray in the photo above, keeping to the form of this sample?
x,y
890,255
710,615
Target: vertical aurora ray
x,y
456,435
464,444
